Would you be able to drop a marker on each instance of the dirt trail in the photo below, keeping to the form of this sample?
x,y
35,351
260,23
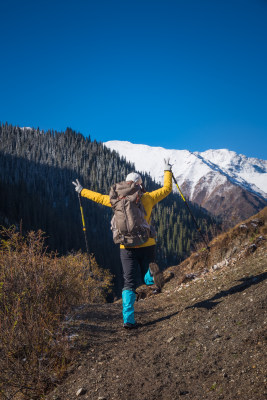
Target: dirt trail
x,y
202,339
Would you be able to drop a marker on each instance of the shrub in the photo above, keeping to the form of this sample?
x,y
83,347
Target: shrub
x,y
37,289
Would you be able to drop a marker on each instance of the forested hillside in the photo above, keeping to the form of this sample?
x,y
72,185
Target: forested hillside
x,y
36,173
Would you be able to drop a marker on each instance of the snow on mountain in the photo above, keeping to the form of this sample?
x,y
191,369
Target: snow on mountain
x,y
222,165
248,172
224,182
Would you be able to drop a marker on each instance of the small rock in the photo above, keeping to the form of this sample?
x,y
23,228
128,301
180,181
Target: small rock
x,y
102,398
259,239
80,392
251,248
183,392
189,277
243,226
170,339
216,336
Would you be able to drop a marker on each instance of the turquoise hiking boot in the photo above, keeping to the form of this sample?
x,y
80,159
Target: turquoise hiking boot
x,y
128,299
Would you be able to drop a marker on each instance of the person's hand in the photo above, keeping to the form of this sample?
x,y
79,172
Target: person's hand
x,y
167,165
78,186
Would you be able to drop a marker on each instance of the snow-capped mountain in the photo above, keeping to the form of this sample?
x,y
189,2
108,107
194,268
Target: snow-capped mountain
x,y
224,182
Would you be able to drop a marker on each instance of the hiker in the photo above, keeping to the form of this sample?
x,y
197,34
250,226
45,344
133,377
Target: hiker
x,y
137,249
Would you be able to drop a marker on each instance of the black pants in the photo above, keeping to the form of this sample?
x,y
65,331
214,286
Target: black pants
x,y
135,260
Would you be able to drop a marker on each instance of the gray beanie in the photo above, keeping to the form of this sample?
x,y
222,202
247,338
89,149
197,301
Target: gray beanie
x,y
135,177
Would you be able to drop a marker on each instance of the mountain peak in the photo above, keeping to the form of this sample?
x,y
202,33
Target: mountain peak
x,y
205,176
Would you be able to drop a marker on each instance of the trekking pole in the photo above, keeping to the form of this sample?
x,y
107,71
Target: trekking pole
x,y
194,219
84,231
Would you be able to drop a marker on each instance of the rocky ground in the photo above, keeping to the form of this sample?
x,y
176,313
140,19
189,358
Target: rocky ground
x,y
203,337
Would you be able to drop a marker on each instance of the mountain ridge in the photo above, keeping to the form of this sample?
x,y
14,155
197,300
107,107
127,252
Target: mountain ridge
x,y
204,181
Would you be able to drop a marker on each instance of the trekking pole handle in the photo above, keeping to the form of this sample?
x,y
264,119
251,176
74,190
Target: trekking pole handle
x,y
175,181
192,215
82,215
84,231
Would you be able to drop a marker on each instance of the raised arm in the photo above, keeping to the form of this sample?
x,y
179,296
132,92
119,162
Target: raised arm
x,y
89,194
160,194
97,197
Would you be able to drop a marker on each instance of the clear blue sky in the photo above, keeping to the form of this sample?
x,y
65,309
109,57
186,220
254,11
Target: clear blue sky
x,y
183,74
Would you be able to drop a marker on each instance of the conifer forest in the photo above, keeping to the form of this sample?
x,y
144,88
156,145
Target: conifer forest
x,y
36,192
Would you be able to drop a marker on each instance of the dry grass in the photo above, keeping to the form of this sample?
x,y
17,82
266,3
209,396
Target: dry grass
x,y
36,290
236,243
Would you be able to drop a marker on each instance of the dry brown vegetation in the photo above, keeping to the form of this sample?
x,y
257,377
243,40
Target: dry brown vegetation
x,y
37,289
228,247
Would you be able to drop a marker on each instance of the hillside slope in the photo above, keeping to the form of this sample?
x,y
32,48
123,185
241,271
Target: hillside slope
x,y
203,337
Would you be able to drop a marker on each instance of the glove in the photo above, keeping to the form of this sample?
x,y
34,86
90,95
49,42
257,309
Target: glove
x,y
167,165
78,186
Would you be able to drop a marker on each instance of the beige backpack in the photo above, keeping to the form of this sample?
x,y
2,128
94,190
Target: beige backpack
x,y
128,224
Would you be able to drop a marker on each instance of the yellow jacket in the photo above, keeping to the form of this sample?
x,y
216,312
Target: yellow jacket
x,y
149,200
